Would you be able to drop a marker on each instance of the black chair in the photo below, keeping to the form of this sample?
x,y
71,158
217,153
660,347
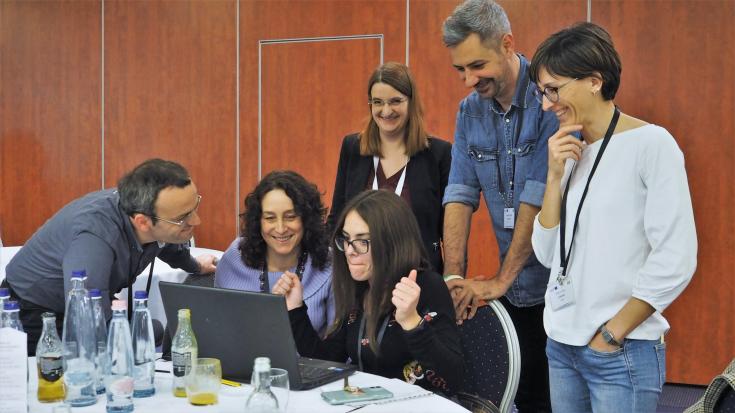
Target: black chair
x,y
492,360
726,404
719,397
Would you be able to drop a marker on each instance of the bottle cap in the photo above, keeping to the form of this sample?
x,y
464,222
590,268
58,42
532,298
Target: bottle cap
x,y
4,292
262,363
48,314
184,312
119,305
95,293
11,305
79,274
140,295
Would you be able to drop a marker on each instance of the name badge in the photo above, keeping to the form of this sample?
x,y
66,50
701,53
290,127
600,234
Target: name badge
x,y
561,295
509,218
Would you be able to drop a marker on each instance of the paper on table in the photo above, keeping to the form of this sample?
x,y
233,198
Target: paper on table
x,y
14,368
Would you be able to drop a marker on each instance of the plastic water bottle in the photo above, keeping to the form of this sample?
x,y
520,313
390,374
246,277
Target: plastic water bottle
x,y
119,380
4,296
48,362
262,399
144,347
79,345
100,330
11,310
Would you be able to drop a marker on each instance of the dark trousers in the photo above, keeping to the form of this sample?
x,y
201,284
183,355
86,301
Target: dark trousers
x,y
31,317
533,387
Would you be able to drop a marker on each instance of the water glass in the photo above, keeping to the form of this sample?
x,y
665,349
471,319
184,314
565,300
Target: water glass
x,y
202,386
280,387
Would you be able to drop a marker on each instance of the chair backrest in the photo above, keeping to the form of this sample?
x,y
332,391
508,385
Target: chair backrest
x,y
719,397
726,404
492,359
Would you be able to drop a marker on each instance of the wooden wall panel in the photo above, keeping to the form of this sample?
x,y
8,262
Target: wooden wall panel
x,y
49,110
326,80
333,108
170,92
678,60
441,89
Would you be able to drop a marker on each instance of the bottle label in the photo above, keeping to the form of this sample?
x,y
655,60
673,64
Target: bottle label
x,y
181,363
51,368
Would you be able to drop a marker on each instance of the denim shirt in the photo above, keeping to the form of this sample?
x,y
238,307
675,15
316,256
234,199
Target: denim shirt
x,y
483,157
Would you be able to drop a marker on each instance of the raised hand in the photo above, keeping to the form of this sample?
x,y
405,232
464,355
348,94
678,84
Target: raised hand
x,y
405,298
290,286
563,146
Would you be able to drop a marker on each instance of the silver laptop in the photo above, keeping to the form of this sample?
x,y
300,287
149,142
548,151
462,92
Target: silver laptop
x,y
238,326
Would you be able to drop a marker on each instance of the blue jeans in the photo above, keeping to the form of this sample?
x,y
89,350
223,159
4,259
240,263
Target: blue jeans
x,y
628,379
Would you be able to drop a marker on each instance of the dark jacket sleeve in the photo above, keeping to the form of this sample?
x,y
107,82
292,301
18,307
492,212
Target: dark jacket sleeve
x,y
309,344
436,343
179,256
338,195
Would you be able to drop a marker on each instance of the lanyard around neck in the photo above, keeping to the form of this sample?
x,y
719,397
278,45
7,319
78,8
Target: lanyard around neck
x,y
361,336
508,196
399,187
564,256
265,282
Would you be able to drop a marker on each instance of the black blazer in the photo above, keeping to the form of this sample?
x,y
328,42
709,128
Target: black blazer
x,y
427,177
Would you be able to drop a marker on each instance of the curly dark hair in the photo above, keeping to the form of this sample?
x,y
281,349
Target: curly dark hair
x,y
308,205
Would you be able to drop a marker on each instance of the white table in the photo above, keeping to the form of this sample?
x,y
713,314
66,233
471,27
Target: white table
x,y
232,399
161,272
6,253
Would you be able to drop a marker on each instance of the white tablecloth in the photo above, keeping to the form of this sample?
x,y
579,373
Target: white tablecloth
x,y
6,253
161,272
232,399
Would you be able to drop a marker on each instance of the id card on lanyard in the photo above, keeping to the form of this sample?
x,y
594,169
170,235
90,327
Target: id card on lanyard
x,y
509,212
561,292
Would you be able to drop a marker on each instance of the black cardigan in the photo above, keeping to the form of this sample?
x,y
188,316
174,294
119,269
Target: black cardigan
x,y
434,346
427,177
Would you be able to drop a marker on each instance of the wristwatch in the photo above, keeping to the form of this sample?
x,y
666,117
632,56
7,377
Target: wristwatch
x,y
608,336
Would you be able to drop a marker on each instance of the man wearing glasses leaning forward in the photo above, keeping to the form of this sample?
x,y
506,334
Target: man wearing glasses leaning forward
x,y
500,149
113,235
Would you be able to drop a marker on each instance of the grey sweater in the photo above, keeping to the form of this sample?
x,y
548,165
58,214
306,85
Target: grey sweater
x,y
91,233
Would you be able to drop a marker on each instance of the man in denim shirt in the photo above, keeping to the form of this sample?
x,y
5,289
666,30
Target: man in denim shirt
x,y
500,149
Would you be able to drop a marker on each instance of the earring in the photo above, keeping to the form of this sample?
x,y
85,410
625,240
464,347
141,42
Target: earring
x,y
594,92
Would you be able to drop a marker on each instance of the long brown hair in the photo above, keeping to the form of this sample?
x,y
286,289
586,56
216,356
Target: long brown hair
x,y
399,78
396,248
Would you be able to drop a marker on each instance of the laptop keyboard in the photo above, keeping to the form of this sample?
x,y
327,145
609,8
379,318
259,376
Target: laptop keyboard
x,y
312,373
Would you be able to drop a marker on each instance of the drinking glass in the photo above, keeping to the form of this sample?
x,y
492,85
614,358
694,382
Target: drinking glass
x,y
280,387
202,386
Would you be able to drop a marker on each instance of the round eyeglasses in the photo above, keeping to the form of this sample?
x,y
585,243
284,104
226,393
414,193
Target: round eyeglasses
x,y
551,92
360,246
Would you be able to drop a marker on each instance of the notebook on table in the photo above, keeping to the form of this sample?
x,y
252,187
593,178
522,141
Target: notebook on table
x,y
238,326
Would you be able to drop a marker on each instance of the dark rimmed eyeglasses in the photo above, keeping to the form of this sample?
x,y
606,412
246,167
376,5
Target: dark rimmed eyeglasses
x,y
185,218
360,246
551,92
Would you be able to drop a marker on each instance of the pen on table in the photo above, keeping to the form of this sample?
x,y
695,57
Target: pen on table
x,y
162,371
231,383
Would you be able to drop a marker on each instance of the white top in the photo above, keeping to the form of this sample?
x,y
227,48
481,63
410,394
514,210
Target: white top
x,y
635,236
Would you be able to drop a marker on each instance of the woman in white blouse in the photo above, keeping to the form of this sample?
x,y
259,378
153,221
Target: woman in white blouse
x,y
626,246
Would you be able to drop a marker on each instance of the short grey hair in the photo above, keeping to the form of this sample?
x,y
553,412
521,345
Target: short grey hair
x,y
484,17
